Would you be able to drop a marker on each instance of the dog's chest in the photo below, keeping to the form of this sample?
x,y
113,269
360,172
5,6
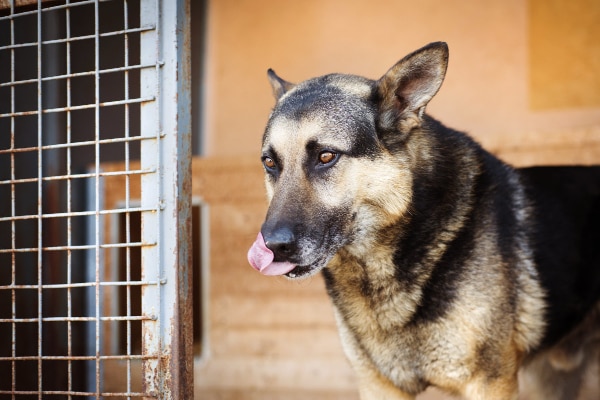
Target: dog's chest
x,y
374,314
412,356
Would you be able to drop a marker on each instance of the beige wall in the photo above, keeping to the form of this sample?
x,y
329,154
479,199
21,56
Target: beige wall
x,y
487,89
564,53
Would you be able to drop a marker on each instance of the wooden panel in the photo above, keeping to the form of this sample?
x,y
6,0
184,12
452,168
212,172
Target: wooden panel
x,y
18,3
272,394
301,394
257,341
576,147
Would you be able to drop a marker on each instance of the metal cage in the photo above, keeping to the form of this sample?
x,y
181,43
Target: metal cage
x,y
95,199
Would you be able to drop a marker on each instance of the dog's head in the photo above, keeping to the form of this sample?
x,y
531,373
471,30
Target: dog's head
x,y
337,158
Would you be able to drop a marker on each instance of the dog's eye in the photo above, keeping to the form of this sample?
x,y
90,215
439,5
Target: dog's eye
x,y
268,162
327,157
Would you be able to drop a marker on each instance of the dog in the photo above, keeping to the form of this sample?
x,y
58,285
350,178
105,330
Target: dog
x,y
446,266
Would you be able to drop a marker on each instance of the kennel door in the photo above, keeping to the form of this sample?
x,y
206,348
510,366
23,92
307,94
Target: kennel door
x,y
95,95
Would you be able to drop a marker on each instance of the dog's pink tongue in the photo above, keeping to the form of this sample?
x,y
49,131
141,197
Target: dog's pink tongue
x,y
261,259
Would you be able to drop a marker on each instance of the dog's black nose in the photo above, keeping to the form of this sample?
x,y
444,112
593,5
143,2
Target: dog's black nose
x,y
281,242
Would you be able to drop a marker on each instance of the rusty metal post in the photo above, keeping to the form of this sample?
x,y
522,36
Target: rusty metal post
x,y
168,333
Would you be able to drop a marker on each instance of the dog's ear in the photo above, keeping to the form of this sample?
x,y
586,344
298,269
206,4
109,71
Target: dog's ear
x,y
278,85
409,85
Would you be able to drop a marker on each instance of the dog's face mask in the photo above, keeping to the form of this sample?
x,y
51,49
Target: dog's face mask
x,y
328,172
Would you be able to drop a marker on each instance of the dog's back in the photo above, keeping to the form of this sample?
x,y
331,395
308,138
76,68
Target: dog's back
x,y
566,241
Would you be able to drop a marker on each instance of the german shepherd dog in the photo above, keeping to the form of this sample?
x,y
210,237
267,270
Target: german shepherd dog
x,y
446,266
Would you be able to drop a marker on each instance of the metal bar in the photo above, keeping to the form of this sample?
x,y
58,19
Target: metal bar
x,y
97,190
76,74
77,38
13,208
74,144
69,204
79,285
79,247
40,196
80,107
80,176
54,8
79,213
92,260
55,392
127,195
80,319
79,358
176,320
150,127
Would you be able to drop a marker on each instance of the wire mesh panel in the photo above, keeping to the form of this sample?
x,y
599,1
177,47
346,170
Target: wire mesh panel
x,y
94,199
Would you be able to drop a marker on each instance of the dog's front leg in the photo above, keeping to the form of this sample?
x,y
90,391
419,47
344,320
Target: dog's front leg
x,y
502,388
372,386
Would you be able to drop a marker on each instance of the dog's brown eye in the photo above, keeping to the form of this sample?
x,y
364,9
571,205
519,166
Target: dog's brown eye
x,y
326,157
269,163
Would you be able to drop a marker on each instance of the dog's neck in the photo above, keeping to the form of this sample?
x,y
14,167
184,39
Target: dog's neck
x,y
385,265
369,285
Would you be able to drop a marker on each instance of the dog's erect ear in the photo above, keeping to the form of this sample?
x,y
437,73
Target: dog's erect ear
x,y
409,85
278,85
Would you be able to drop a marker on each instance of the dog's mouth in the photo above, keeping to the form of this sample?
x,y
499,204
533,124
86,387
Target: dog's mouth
x,y
261,258
302,271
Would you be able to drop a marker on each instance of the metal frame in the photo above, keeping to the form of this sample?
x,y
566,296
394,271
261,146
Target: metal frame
x,y
172,185
165,205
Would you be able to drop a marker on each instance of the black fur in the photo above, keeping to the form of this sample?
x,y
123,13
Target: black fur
x,y
566,240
